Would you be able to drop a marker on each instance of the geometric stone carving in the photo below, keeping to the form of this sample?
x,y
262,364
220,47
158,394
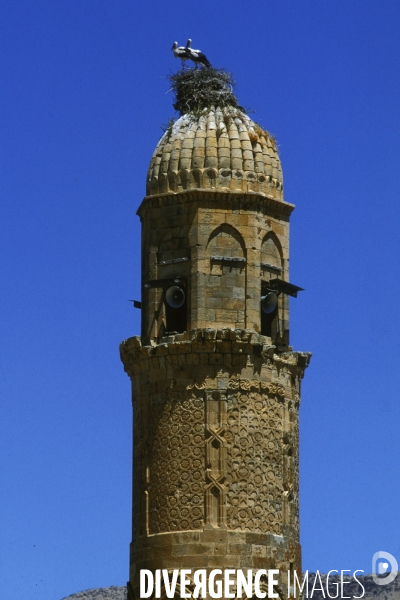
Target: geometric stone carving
x,y
255,485
176,465
215,490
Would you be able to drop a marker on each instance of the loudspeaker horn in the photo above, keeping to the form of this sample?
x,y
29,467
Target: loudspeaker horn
x,y
269,302
175,296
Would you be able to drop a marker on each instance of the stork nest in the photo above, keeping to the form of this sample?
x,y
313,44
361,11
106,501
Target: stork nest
x,y
198,89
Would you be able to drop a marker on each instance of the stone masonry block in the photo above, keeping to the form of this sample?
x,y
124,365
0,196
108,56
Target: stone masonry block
x,y
206,346
192,359
203,358
216,359
223,346
210,334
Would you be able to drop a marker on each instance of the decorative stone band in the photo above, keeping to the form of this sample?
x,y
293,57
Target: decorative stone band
x,y
235,348
231,179
232,198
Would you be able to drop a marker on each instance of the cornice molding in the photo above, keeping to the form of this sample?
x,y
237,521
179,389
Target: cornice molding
x,y
240,341
218,197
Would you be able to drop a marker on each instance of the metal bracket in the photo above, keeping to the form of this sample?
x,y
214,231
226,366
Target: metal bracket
x,y
157,283
284,287
173,261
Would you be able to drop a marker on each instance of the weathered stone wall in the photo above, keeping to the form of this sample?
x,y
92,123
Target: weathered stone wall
x,y
215,451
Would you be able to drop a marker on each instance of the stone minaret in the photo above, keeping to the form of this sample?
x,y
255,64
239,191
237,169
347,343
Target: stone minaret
x,y
216,386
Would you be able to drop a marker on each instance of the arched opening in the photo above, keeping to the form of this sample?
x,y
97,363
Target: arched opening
x,y
226,281
271,267
176,308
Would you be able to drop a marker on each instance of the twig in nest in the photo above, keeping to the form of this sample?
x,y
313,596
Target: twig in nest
x,y
198,89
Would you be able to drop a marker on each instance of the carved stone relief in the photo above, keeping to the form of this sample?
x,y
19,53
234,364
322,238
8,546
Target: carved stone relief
x,y
254,478
176,465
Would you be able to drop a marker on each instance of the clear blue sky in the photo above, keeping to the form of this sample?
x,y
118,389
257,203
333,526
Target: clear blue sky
x,y
82,98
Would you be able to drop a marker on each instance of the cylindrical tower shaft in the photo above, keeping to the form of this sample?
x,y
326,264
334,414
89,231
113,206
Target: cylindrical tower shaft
x,y
216,453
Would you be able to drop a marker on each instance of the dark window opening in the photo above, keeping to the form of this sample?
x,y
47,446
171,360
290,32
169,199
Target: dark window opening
x,y
269,321
176,317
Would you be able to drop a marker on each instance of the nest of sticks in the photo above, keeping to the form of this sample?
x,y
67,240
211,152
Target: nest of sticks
x,y
198,89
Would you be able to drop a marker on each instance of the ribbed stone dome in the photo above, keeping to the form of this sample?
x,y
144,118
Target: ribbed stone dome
x,y
221,148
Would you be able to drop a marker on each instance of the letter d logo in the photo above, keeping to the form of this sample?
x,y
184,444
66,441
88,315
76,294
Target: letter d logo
x,y
383,567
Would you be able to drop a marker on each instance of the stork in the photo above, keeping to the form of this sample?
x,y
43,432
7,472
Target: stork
x,y
196,55
180,52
